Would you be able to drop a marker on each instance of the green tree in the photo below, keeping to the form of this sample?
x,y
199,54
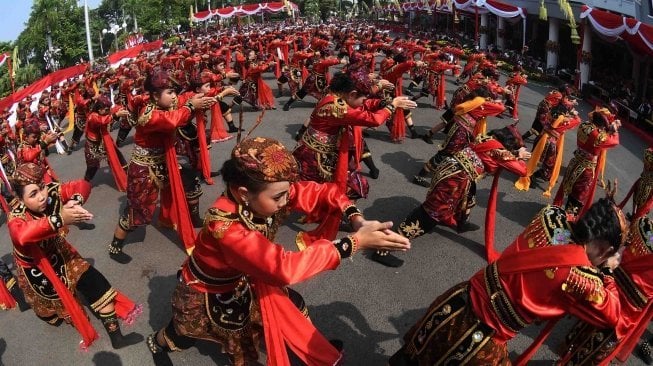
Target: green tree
x,y
312,9
54,24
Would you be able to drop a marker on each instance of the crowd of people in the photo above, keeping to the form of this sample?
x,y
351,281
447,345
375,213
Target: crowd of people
x,y
588,259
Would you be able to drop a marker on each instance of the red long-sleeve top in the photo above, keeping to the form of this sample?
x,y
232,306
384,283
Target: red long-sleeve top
x,y
28,229
395,72
331,113
323,65
156,126
593,139
230,246
548,294
95,123
639,288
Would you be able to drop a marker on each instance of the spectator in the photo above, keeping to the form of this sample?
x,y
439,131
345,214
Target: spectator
x,y
643,111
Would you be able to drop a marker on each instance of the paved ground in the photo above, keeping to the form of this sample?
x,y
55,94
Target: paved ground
x,y
366,305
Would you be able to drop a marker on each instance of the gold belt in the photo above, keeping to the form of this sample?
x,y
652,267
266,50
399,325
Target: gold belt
x,y
318,145
148,160
500,302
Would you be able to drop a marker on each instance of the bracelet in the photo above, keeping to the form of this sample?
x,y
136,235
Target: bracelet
x,y
56,221
190,106
354,244
346,246
351,211
78,197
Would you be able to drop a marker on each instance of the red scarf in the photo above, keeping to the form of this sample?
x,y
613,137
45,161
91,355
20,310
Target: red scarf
x,y
114,163
284,325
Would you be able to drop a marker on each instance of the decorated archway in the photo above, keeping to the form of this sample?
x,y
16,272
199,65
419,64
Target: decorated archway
x,y
245,10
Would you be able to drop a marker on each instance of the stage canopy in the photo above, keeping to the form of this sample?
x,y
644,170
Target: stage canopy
x,y
613,27
242,10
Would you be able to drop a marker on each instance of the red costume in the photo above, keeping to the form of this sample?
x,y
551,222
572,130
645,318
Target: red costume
x,y
233,286
394,74
452,194
542,275
100,145
153,170
588,344
323,153
254,89
594,138
642,189
51,273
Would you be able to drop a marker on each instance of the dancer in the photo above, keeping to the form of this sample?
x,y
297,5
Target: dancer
x,y
232,289
51,273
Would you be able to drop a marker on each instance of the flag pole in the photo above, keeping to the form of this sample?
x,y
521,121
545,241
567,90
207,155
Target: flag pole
x,y
88,34
11,73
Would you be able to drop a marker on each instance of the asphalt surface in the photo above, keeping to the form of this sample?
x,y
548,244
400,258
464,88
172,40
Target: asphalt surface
x,y
368,306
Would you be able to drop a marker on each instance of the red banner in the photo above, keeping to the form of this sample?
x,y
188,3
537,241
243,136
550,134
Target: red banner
x,y
42,84
116,57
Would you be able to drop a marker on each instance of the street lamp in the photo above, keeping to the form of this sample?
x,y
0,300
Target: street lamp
x,y
102,33
114,29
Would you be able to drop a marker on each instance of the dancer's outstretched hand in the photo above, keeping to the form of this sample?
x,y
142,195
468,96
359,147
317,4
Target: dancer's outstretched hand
x,y
379,236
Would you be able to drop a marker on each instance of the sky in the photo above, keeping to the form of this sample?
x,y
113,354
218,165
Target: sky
x,y
15,14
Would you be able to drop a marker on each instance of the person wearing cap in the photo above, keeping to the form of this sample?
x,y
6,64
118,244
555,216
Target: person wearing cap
x,y
99,144
34,148
82,99
543,113
233,290
317,80
153,169
254,90
51,273
594,137
465,125
553,268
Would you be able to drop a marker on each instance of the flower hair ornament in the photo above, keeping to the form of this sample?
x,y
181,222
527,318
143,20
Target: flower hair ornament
x,y
265,159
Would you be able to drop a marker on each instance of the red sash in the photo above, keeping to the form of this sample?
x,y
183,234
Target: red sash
x,y
204,159
6,300
284,325
117,170
176,214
